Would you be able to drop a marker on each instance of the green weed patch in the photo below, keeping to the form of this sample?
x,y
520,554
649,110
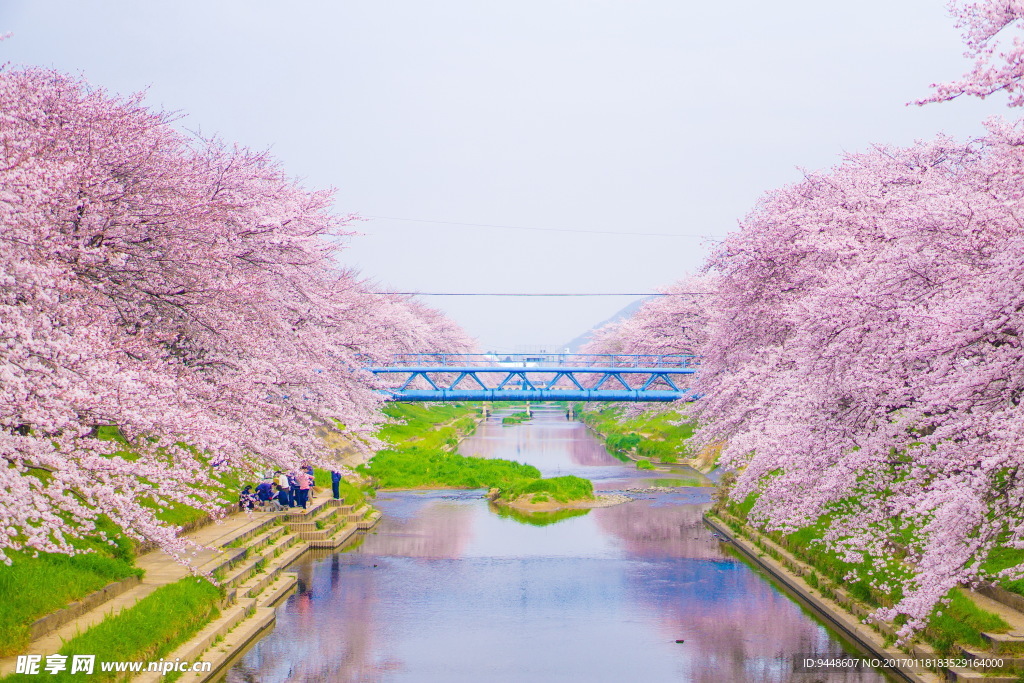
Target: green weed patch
x,y
653,436
33,587
421,457
149,630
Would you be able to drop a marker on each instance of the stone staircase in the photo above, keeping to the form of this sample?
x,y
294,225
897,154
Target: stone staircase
x,y
253,575
246,554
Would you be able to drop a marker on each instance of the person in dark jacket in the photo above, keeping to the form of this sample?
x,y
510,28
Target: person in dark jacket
x,y
264,492
293,484
336,483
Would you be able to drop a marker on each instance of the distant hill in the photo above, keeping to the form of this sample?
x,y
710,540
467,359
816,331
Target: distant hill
x,y
575,344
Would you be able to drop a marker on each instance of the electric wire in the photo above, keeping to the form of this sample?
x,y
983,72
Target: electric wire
x,y
523,227
553,294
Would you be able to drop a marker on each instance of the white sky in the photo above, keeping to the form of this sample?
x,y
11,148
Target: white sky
x,y
630,116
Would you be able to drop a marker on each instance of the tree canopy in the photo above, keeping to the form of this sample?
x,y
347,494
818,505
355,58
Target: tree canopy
x,y
186,291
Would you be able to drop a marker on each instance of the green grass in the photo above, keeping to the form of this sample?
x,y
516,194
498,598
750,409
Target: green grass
x,y
653,436
151,629
424,468
417,467
428,425
1004,558
515,418
960,622
36,586
563,489
421,457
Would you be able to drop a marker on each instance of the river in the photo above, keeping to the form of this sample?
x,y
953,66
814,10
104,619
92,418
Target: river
x,y
448,588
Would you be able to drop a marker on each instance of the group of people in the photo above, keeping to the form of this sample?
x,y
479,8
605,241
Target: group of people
x,y
280,490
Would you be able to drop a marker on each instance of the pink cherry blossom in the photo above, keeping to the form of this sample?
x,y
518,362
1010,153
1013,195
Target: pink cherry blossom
x,y
863,357
183,289
992,35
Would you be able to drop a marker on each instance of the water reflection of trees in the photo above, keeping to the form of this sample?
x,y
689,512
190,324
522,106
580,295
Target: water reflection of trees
x,y
338,618
441,529
549,439
736,625
649,530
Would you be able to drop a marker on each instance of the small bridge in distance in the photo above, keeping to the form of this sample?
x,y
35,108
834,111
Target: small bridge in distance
x,y
537,377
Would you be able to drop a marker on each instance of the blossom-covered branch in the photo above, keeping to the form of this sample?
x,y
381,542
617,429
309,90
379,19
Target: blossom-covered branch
x,y
182,289
991,30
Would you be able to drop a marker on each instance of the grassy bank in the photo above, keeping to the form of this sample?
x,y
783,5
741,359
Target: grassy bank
x,y
33,587
515,418
149,630
37,584
959,622
649,437
421,455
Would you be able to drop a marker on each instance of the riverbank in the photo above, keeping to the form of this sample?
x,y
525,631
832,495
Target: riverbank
x,y
246,553
422,455
997,660
526,504
779,568
596,594
650,439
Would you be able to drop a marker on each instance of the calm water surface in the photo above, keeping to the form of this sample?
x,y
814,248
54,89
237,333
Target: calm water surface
x,y
446,588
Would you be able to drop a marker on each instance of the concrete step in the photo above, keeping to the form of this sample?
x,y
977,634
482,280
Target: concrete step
x,y
258,582
253,564
265,538
1010,662
326,532
342,532
222,654
964,675
216,631
369,520
284,584
317,523
314,509
237,528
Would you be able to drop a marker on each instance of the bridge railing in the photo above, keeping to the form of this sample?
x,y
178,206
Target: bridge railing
x,y
538,360
585,377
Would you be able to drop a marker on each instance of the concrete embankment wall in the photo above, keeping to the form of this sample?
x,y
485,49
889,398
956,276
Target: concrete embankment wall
x,y
838,618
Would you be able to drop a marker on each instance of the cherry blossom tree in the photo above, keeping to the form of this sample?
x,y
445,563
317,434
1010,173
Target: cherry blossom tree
x,y
666,325
991,30
179,288
863,358
670,324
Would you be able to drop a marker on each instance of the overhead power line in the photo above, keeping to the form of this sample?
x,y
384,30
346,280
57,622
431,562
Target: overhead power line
x,y
544,293
523,227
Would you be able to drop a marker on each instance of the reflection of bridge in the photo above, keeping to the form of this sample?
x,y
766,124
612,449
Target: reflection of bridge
x,y
537,377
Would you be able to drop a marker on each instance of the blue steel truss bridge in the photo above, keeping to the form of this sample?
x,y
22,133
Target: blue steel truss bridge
x,y
537,377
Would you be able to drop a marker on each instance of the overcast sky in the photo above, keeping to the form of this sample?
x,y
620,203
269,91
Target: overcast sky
x,y
621,116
